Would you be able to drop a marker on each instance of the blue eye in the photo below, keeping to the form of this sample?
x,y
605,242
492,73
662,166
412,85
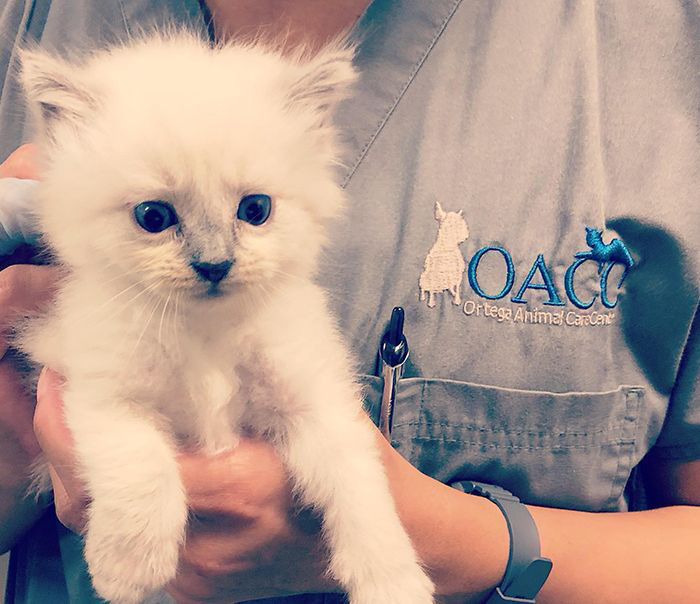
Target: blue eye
x,y
254,209
155,216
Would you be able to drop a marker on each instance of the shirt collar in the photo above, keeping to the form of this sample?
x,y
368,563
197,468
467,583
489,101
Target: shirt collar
x,y
394,39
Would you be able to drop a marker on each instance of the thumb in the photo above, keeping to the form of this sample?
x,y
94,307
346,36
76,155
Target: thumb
x,y
52,432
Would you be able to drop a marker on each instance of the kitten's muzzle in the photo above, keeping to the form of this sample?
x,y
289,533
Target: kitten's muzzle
x,y
212,272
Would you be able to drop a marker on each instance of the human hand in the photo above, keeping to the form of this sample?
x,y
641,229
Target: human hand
x,y
21,163
22,289
246,538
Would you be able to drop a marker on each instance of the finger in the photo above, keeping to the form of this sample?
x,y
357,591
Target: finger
x,y
217,553
69,511
25,288
249,475
201,583
53,435
23,162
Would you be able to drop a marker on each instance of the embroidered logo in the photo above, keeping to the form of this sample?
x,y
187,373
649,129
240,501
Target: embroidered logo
x,y
444,266
613,252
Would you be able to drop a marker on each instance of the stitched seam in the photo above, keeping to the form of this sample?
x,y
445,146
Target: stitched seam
x,y
618,482
503,430
521,447
618,468
414,71
486,387
447,381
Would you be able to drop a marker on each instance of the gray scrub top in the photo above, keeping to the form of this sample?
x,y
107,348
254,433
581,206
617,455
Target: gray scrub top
x,y
523,179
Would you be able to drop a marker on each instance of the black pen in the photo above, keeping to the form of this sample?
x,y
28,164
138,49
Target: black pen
x,y
393,352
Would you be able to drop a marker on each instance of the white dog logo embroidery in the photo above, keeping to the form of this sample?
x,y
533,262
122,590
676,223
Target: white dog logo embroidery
x,y
444,265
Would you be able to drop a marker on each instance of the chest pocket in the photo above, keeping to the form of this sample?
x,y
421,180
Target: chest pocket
x,y
572,450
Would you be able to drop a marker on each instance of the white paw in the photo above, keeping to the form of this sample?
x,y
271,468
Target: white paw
x,y
130,559
416,588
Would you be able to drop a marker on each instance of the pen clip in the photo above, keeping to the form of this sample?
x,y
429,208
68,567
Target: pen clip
x,y
393,352
394,347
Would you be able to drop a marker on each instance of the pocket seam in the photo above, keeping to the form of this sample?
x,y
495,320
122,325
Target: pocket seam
x,y
626,425
474,428
633,400
520,447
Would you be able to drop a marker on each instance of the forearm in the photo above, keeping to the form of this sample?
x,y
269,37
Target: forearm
x,y
648,556
462,540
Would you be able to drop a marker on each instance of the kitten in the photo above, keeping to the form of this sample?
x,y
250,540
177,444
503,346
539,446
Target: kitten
x,y
186,190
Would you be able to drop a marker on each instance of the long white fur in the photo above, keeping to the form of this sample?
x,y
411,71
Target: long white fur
x,y
151,362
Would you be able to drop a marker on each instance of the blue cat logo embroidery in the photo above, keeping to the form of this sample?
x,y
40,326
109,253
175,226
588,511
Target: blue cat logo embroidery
x,y
613,252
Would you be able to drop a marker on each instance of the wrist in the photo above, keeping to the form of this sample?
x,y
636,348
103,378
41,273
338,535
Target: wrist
x,y
462,540
527,570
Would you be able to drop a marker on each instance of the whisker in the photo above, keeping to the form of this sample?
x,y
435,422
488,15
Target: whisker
x,y
148,289
114,297
162,316
176,326
143,331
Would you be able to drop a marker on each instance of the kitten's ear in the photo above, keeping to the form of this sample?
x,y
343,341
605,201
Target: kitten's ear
x,y
55,90
325,80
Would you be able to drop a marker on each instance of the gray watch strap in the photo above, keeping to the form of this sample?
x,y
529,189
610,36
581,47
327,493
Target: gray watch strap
x,y
526,571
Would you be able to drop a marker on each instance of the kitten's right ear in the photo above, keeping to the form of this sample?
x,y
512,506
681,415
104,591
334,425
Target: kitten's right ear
x,y
55,91
325,79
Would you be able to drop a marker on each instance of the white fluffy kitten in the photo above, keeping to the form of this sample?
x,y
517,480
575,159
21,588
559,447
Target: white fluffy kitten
x,y
188,318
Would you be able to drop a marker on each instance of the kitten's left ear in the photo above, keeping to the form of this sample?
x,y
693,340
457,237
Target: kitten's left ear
x,y
55,90
325,80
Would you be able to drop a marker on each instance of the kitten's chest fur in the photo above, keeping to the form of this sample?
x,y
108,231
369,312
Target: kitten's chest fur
x,y
217,386
204,378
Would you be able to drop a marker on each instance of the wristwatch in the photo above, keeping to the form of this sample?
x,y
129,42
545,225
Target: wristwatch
x,y
526,571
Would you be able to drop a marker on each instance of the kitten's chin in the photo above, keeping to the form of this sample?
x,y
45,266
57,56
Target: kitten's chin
x,y
213,291
218,295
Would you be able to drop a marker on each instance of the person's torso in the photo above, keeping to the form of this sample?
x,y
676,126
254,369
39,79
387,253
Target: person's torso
x,y
483,140
488,146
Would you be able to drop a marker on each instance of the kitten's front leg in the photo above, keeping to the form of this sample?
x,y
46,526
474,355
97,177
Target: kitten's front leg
x,y
332,455
137,515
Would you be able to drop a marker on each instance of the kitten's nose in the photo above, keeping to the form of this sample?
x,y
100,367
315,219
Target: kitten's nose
x,y
212,272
